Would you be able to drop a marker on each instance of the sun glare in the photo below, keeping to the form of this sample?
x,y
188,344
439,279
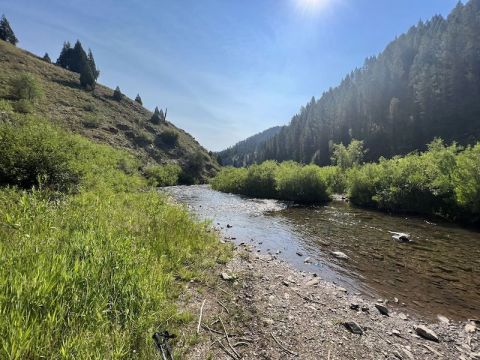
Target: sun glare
x,y
312,6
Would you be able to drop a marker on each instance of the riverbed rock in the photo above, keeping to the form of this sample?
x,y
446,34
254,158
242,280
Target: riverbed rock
x,y
471,327
299,253
354,306
308,260
339,255
402,237
426,333
382,309
313,282
443,319
353,327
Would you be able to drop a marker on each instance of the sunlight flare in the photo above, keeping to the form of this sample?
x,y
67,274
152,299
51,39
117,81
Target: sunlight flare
x,y
312,6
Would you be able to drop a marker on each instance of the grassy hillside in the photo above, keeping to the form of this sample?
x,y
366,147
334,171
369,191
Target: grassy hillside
x,y
98,116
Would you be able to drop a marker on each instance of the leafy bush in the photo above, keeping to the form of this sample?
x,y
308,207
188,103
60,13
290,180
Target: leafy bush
x,y
287,181
143,138
33,153
230,180
91,122
304,184
25,87
165,175
192,168
335,179
168,137
23,106
466,182
443,181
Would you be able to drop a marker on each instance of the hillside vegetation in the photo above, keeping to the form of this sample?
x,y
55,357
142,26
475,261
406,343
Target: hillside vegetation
x,y
425,84
97,115
92,260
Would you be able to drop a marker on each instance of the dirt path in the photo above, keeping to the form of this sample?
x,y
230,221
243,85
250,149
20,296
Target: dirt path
x,y
272,311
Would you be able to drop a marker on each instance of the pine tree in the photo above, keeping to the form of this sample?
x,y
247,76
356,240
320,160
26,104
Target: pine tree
x,y
65,55
6,32
78,59
117,94
46,58
138,99
157,116
87,78
91,63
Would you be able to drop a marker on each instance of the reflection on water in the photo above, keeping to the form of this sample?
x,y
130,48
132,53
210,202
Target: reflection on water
x,y
438,273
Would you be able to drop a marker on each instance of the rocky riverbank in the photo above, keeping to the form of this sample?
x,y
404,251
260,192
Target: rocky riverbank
x,y
259,307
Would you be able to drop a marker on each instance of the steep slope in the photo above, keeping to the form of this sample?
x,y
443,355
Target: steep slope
x,y
244,152
425,84
122,124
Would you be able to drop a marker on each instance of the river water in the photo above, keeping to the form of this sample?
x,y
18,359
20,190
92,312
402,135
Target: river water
x,y
436,274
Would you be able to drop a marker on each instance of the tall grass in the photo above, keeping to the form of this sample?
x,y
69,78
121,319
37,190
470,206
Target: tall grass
x,y
92,274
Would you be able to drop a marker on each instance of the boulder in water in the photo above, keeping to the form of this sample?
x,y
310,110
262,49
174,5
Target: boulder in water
x,y
402,237
339,255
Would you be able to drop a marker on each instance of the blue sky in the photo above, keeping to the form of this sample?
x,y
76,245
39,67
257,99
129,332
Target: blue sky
x,y
226,69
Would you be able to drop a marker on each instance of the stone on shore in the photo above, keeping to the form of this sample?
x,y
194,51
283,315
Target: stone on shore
x,y
339,255
353,327
426,333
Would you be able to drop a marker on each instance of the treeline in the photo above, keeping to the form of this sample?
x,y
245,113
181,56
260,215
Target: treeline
x,y
425,84
245,152
443,181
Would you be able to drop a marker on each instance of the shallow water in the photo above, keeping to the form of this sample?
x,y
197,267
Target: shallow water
x,y
438,273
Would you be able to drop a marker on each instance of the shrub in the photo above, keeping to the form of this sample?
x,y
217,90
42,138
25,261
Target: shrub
x,y
143,138
335,179
303,184
168,137
230,180
90,107
466,182
25,87
91,122
193,168
23,106
165,175
260,181
33,153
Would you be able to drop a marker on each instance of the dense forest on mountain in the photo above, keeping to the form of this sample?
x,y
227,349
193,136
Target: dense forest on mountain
x,y
425,84
245,151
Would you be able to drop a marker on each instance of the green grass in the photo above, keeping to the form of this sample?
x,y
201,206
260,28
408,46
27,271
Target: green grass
x,y
91,272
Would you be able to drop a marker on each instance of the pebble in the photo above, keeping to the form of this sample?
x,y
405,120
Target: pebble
x,y
313,282
382,309
353,327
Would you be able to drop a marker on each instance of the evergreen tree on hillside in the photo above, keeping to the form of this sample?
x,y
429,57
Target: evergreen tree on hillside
x,y
157,117
117,94
138,99
46,58
93,66
78,58
64,59
6,32
87,78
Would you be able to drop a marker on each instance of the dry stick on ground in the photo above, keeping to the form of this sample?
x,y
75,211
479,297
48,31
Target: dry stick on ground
x,y
283,347
200,317
223,306
228,339
308,299
225,349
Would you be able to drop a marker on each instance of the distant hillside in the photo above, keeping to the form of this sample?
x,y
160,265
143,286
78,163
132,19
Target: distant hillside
x,y
425,84
98,116
244,152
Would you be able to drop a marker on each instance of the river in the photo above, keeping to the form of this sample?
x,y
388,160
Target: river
x,y
436,274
